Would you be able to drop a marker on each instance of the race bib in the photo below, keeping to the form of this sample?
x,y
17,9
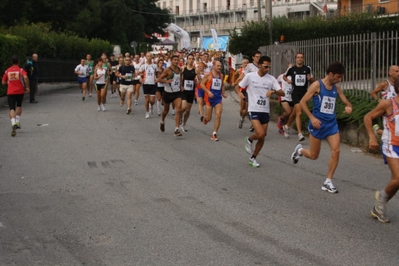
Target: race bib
x,y
300,80
327,105
128,77
216,84
113,68
261,102
189,85
289,91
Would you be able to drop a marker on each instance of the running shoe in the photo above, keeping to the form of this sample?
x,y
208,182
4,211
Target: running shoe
x,y
129,110
379,210
182,128
240,122
178,133
98,108
286,131
202,118
103,107
253,163
13,130
251,129
248,146
83,98
295,155
18,125
376,127
147,116
280,123
89,94
162,126
173,112
328,186
301,137
214,137
151,109
159,112
280,131
135,102
122,102
205,121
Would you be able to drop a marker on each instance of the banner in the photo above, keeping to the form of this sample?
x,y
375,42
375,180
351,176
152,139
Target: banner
x,y
181,34
222,42
215,40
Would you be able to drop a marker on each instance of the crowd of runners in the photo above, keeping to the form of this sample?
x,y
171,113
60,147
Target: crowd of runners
x,y
178,80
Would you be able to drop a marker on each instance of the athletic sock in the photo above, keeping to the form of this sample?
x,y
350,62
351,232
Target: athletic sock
x,y
328,180
12,121
17,118
214,132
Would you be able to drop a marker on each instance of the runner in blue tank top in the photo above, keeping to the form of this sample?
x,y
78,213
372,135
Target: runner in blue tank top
x,y
322,122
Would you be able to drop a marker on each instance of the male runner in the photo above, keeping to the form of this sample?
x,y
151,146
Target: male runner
x,y
15,77
137,80
81,71
285,101
214,90
112,77
260,86
301,76
126,74
172,93
389,110
148,70
90,65
188,85
322,121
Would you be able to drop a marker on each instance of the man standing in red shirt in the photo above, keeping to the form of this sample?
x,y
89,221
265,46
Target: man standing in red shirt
x,y
17,80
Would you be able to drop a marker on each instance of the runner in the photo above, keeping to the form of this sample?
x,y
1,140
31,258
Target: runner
x,y
112,76
199,91
81,71
188,84
389,110
160,86
172,93
136,82
285,101
213,86
17,82
107,66
387,91
149,88
208,64
259,87
121,62
99,77
322,121
126,74
244,101
90,65
301,76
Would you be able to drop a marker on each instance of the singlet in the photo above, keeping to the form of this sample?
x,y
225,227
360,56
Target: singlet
x,y
251,67
101,71
128,72
157,75
287,88
389,92
215,85
105,67
137,67
148,73
90,67
324,103
188,79
390,135
114,67
14,78
175,85
299,78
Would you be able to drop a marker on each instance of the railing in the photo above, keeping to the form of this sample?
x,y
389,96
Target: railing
x,y
366,57
381,8
56,70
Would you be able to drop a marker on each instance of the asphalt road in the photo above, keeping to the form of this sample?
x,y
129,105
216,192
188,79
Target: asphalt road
x,y
106,188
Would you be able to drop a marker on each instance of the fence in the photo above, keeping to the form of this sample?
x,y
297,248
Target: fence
x,y
366,57
56,70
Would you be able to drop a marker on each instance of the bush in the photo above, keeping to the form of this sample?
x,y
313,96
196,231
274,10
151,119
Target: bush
x,y
9,46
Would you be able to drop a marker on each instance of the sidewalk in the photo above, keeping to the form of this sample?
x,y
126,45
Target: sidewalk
x,y
45,88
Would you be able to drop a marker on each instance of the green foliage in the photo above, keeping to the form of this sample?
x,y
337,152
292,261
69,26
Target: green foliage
x,y
254,34
9,46
63,45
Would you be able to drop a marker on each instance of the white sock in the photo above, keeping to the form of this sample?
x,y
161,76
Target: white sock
x,y
176,128
300,151
214,132
18,118
12,121
328,180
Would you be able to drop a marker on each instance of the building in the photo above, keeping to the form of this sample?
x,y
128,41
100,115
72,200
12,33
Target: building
x,y
195,16
378,7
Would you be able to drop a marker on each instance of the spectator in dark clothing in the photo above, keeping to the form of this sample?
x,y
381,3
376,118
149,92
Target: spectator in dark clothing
x,y
33,73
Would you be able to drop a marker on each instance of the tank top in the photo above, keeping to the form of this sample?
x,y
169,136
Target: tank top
x,y
101,71
158,74
389,92
215,85
137,70
390,135
324,103
188,79
105,67
175,85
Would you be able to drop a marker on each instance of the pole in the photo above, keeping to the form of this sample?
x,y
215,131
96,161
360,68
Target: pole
x,y
259,11
270,21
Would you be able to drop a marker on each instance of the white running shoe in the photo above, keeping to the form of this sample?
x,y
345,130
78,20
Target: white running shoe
x,y
103,107
253,163
328,186
182,128
295,155
248,146
135,102
286,131
240,122
147,116
301,137
98,108
151,109
173,112
159,112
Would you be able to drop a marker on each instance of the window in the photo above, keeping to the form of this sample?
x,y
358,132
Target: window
x,y
177,10
252,3
164,4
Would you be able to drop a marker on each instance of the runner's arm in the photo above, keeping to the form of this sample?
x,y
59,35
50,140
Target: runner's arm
x,y
380,87
378,111
348,105
313,89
